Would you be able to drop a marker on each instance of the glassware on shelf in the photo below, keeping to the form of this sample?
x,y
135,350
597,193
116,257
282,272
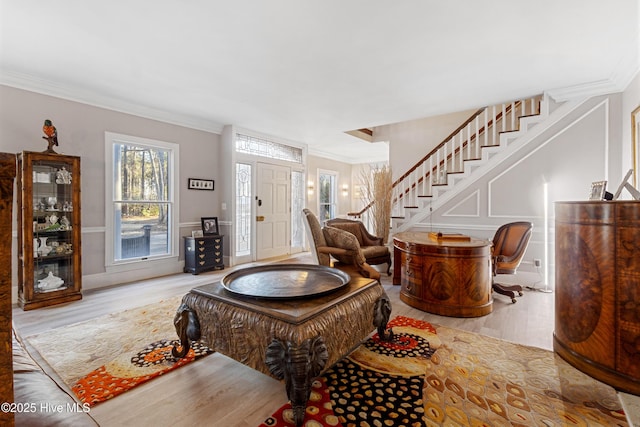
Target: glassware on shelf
x,y
50,282
63,176
51,203
43,249
52,219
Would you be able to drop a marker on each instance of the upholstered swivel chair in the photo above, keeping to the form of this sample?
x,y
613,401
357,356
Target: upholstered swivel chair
x,y
509,245
333,243
373,247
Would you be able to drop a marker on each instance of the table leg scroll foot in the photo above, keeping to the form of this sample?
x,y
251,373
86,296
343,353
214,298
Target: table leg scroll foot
x,y
298,365
381,315
188,329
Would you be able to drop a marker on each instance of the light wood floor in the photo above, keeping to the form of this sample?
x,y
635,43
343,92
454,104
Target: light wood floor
x,y
219,391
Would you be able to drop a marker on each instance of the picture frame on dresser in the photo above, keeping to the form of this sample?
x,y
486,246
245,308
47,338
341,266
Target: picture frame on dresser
x,y
598,189
210,226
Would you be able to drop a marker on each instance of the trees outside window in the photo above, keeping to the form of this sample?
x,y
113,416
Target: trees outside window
x,y
142,202
327,195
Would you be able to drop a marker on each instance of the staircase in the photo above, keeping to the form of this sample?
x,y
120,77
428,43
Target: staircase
x,y
490,135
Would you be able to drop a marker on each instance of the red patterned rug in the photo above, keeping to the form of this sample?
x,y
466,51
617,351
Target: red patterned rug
x,y
111,380
129,348
438,376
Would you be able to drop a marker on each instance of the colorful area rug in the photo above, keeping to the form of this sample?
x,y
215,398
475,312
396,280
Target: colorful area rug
x,y
428,375
129,348
437,376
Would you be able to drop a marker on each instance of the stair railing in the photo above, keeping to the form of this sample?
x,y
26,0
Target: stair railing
x,y
482,129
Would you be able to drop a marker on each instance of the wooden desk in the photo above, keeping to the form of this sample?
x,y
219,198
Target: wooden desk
x,y
445,277
291,339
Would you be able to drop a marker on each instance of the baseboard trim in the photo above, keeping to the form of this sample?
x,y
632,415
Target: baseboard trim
x,y
101,280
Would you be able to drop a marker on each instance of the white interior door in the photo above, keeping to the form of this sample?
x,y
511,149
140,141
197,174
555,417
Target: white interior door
x,y
273,212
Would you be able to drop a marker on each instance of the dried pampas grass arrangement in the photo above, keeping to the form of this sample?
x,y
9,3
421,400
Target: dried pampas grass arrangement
x,y
377,186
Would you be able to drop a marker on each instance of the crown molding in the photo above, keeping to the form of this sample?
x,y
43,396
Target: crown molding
x,y
624,73
44,87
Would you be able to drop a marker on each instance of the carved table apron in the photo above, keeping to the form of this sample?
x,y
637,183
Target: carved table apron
x,y
293,339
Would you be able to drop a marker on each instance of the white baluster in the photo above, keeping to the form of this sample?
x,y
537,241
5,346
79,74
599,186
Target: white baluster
x,y
460,154
494,125
477,130
430,176
412,187
425,178
445,158
437,181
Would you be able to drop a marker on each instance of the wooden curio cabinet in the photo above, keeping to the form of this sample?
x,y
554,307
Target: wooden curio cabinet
x,y
49,248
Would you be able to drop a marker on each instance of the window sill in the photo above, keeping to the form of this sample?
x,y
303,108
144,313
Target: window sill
x,y
141,264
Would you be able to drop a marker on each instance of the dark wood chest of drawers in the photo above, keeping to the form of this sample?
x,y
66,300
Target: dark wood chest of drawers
x,y
203,253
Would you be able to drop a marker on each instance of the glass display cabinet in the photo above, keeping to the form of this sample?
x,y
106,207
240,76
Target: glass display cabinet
x,y
49,257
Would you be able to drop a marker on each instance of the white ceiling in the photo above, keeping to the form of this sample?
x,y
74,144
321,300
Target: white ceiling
x,y
309,70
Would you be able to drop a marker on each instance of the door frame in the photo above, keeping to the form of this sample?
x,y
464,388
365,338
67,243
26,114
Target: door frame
x,y
253,161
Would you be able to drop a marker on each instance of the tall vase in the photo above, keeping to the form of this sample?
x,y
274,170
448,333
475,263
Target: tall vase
x,y
43,249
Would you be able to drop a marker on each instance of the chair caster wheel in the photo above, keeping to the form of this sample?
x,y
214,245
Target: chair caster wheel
x,y
520,293
513,300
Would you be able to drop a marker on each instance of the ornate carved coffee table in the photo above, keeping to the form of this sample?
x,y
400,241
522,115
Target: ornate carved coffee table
x,y
290,321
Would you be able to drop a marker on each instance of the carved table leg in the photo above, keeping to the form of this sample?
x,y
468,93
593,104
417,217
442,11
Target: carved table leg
x,y
298,365
381,314
187,327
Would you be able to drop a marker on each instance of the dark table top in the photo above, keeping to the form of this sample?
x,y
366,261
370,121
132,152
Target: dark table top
x,y
292,310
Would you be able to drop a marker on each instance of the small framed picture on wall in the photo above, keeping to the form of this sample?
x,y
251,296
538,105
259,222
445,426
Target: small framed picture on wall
x,y
201,184
210,225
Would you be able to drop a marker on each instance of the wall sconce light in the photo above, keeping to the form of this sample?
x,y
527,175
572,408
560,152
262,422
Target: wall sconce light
x,y
345,190
310,187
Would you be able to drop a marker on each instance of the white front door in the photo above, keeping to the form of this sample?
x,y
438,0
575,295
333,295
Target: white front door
x,y
273,212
